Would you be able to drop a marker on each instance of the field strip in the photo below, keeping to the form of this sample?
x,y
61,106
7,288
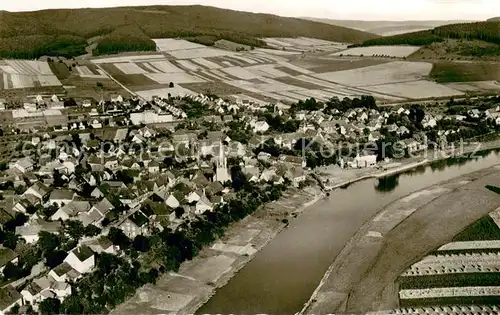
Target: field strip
x,y
415,89
281,96
5,77
318,82
22,67
294,95
274,58
393,51
244,59
217,77
318,95
178,78
221,74
165,66
276,42
171,44
246,87
188,65
149,68
48,80
340,92
129,68
295,68
205,74
128,58
206,63
205,52
276,52
449,292
241,73
8,69
229,64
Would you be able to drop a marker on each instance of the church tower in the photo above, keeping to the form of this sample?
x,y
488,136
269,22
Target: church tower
x,y
222,173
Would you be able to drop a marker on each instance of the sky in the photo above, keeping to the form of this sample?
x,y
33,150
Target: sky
x,y
334,9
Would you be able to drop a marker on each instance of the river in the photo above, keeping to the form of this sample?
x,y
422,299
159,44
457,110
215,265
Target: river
x,y
282,277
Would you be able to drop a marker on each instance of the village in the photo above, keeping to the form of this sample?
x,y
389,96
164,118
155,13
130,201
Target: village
x,y
86,179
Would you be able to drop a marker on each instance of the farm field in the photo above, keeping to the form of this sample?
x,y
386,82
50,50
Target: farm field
x,y
391,51
444,72
19,74
415,89
303,44
274,74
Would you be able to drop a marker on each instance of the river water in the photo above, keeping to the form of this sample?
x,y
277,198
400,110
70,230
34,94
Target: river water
x,y
282,277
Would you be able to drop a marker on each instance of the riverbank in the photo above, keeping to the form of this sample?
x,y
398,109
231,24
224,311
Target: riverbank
x,y
334,177
362,276
197,280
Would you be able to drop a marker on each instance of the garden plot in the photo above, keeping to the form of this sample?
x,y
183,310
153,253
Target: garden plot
x,y
178,78
207,63
240,73
171,44
392,51
415,89
165,66
130,68
393,72
175,91
205,52
188,65
128,58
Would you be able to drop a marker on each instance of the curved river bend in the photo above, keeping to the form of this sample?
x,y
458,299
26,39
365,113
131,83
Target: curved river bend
x,y
282,277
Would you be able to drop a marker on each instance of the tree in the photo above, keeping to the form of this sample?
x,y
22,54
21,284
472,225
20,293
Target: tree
x,y
92,230
99,85
49,306
10,240
171,85
74,229
141,243
179,212
117,237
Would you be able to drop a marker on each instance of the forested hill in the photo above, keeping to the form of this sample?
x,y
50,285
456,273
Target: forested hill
x,y
483,31
65,31
495,19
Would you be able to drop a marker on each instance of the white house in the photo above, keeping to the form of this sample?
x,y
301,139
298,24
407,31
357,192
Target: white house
x,y
61,196
8,298
32,293
24,165
81,259
203,205
260,126
363,161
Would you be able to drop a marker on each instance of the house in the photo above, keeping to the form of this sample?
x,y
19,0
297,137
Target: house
x,y
70,210
7,255
64,272
260,126
61,196
363,161
102,245
474,113
153,167
116,99
8,298
81,259
293,160
374,136
429,121
30,231
194,196
33,292
87,103
411,145
203,205
111,163
135,224
24,165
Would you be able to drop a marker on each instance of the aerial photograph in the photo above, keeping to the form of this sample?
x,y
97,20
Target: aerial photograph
x,y
182,157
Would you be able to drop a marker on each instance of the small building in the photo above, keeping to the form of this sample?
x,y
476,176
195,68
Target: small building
x,y
8,298
81,259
